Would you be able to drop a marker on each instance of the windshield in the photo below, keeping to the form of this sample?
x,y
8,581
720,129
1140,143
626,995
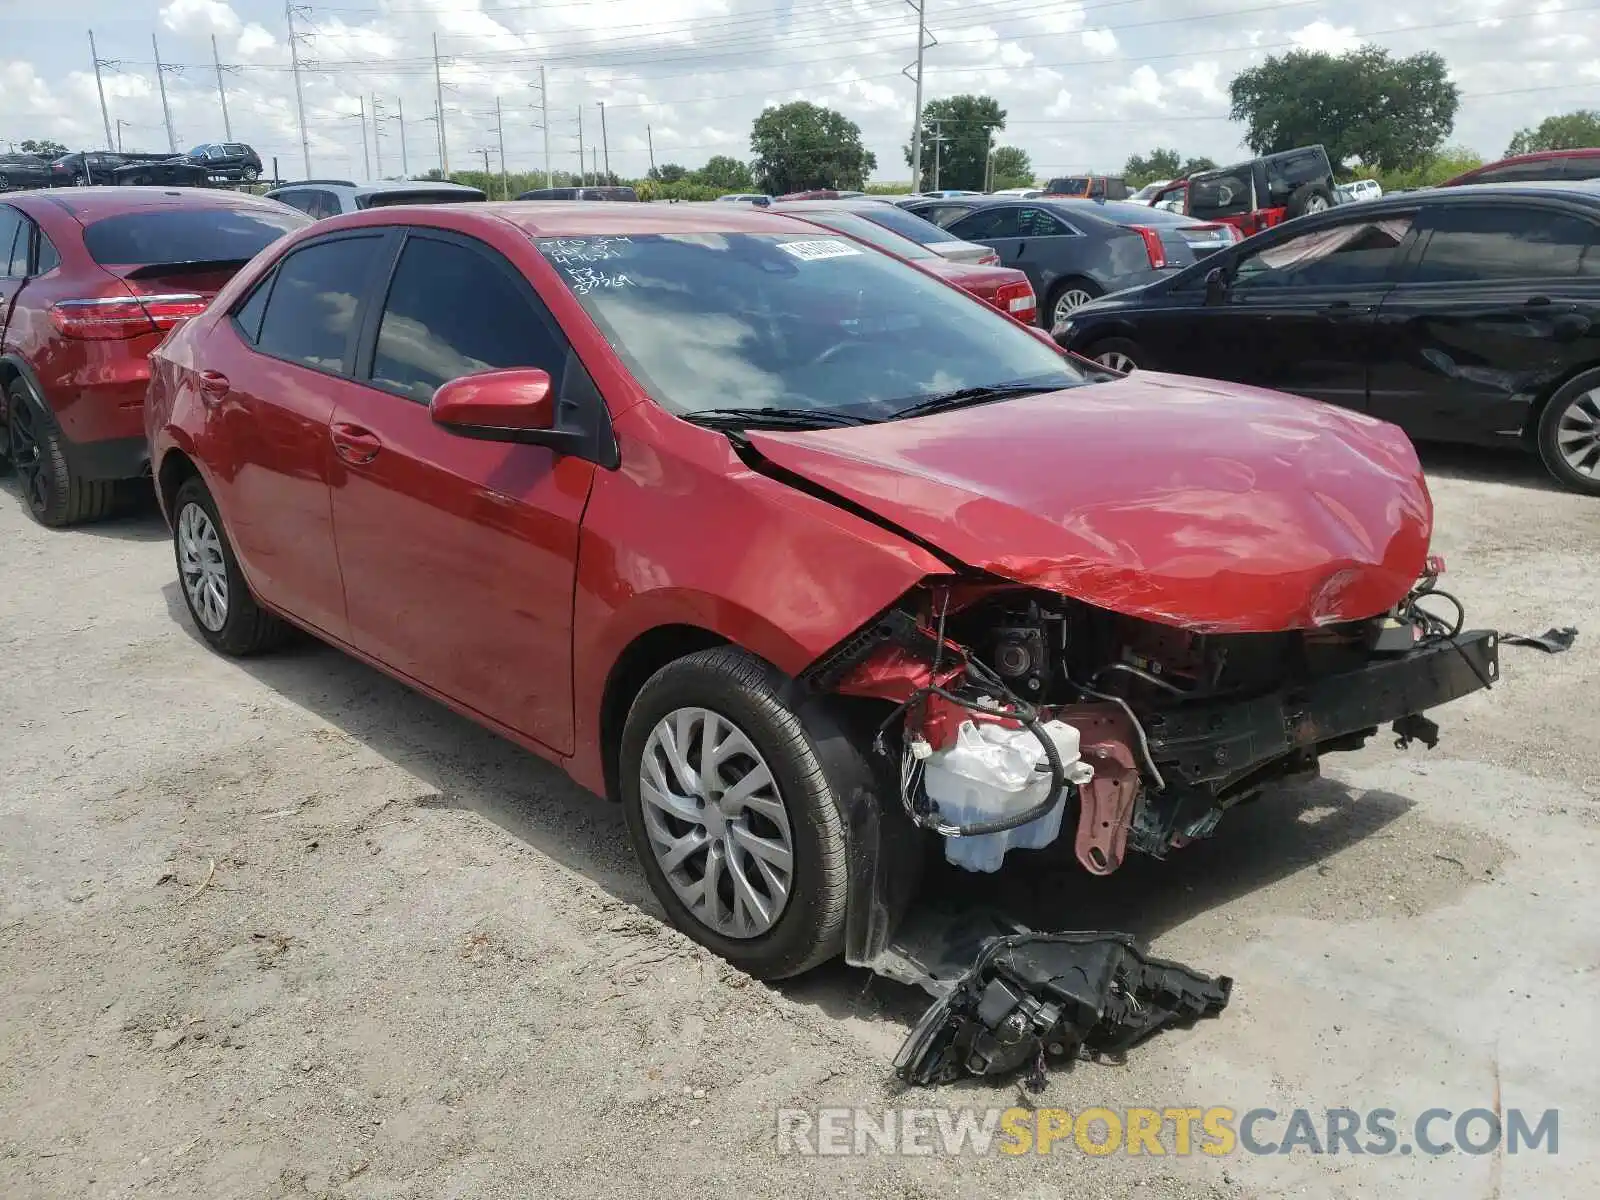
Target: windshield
x,y
870,232
792,321
189,234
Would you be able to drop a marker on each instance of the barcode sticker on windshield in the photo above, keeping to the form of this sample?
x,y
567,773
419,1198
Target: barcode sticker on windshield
x,y
822,248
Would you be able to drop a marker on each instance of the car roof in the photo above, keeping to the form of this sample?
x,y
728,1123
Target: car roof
x,y
1587,190
843,204
1536,156
91,203
584,218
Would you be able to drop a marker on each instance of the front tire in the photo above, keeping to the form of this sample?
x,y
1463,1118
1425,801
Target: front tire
x,y
54,496
213,587
250,174
1568,434
1117,354
732,815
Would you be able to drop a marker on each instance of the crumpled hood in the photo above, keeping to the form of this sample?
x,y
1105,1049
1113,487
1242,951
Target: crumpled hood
x,y
1220,508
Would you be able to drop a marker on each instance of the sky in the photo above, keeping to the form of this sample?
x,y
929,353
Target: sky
x,y
1084,83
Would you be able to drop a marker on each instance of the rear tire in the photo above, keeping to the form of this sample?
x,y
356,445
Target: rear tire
x,y
250,174
1117,354
1310,198
1568,434
53,497
1065,299
736,696
214,591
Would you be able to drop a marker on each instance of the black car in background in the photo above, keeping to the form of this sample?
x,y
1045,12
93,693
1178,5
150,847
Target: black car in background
x,y
82,168
227,160
1463,314
20,171
1071,250
170,172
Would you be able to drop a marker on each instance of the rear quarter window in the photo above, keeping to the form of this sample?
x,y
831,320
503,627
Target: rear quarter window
x,y
173,235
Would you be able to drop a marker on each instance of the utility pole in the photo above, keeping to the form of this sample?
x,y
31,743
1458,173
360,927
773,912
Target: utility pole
x,y
120,124
222,92
166,110
377,135
299,93
582,166
105,113
938,143
594,154
484,150
924,42
650,141
361,115
544,120
400,109
605,144
438,99
500,130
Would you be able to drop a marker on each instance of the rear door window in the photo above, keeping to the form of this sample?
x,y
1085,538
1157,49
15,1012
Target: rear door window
x,y
1226,194
1035,222
312,315
989,223
1353,254
455,310
190,234
1482,243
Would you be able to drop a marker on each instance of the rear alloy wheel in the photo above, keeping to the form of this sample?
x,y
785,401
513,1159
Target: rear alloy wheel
x,y
53,496
1069,300
731,814
214,590
250,174
1569,434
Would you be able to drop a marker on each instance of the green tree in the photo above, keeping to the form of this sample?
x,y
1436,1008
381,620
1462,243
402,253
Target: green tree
x,y
1010,168
1449,162
801,145
1200,163
1388,112
955,138
1141,169
1573,131
669,173
725,173
43,147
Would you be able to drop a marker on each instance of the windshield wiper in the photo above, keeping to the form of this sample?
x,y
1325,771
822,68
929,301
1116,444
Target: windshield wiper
x,y
774,418
973,395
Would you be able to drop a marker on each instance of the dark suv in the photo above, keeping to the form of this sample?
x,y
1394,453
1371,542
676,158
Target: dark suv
x,y
1263,192
1088,187
227,160
81,168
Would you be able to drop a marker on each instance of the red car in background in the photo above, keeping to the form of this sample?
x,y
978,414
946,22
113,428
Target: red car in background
x,y
748,526
1529,168
91,280
1003,287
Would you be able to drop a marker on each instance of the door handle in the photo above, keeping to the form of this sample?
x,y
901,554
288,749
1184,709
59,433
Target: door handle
x,y
1021,246
213,387
1537,302
355,444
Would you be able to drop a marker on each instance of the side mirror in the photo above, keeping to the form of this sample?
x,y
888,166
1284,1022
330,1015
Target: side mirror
x,y
513,405
1216,285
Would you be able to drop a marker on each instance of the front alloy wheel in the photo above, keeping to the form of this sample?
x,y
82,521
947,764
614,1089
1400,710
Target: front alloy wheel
x,y
1116,360
1578,434
202,568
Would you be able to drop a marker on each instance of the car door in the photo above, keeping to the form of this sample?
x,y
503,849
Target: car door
x,y
998,226
1297,313
460,555
1501,303
275,372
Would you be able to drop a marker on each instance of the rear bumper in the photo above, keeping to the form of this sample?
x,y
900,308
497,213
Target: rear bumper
x,y
114,458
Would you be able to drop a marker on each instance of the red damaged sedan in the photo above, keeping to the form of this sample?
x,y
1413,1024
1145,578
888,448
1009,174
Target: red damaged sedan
x,y
812,561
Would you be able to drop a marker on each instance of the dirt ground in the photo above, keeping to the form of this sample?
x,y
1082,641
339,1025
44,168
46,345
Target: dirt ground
x,y
282,928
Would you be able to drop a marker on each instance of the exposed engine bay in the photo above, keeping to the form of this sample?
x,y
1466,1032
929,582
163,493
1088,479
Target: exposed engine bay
x,y
1019,713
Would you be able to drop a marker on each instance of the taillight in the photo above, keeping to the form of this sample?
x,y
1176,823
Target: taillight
x,y
990,259
117,318
1152,245
1018,300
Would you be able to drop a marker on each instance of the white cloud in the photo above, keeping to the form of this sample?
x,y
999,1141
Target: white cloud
x,y
195,17
1319,35
1100,41
1061,105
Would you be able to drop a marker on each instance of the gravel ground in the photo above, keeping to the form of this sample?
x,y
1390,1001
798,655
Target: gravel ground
x,y
282,928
